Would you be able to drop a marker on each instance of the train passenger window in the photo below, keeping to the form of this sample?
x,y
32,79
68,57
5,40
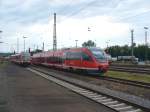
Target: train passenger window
x,y
86,57
76,55
73,56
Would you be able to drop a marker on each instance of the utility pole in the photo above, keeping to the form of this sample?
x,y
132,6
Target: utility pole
x,y
146,28
43,46
29,50
17,45
37,47
54,34
146,44
76,43
132,47
24,43
107,42
107,46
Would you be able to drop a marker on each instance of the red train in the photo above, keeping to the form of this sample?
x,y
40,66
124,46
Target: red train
x,y
91,60
21,58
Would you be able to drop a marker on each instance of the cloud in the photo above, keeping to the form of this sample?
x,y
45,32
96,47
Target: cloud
x,y
108,20
102,29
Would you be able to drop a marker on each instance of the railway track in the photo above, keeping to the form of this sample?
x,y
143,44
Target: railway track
x,y
116,80
127,82
82,88
131,65
132,69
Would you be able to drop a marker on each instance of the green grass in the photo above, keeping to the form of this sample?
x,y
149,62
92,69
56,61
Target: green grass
x,y
129,76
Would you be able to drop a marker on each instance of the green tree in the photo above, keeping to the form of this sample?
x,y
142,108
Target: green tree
x,y
141,51
89,43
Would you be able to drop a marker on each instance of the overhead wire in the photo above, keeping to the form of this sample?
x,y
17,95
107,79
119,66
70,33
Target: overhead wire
x,y
87,5
78,11
136,15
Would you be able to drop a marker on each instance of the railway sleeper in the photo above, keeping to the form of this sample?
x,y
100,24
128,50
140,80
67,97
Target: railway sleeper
x,y
110,103
136,110
125,108
107,101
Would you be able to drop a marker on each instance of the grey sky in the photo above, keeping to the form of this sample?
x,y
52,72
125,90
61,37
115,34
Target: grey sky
x,y
109,20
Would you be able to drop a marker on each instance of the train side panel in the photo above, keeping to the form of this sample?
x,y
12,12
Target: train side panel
x,y
83,59
90,60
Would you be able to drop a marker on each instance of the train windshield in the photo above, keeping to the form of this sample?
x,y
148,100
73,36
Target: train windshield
x,y
98,54
26,56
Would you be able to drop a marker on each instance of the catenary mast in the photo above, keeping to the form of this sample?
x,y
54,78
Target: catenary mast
x,y
54,34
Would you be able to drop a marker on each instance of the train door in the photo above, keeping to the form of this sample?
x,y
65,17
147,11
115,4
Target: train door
x,y
73,59
87,62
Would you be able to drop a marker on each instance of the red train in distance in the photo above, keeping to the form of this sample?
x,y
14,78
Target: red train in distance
x,y
91,60
21,58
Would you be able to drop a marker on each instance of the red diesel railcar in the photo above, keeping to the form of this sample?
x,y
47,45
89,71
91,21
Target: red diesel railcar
x,y
92,60
21,58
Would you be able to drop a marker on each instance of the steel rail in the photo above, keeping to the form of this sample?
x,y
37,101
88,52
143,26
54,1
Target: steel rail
x,y
109,101
127,82
130,69
117,80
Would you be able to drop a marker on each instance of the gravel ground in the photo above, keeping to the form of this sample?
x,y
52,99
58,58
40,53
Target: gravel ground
x,y
137,91
23,91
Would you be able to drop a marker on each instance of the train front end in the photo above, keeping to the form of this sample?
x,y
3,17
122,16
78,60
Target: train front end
x,y
100,60
25,59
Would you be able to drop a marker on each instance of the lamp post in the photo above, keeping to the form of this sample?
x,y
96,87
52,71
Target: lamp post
x,y
107,45
132,46
146,28
17,45
107,42
76,43
24,42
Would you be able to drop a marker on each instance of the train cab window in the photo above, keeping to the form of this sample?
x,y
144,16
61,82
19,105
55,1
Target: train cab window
x,y
98,54
86,57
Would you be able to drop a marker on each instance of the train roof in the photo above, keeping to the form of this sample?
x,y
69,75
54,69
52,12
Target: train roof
x,y
60,51
15,54
22,53
72,48
81,48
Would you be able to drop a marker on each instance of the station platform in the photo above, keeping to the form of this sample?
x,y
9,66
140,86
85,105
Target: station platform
x,y
24,91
